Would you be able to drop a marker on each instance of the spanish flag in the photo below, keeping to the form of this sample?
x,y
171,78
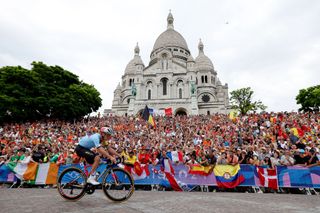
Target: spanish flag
x,y
197,169
228,176
148,117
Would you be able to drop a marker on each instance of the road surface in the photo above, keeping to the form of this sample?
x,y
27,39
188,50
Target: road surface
x,y
48,200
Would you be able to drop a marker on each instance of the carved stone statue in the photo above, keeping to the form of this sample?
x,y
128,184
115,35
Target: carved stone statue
x,y
193,88
133,90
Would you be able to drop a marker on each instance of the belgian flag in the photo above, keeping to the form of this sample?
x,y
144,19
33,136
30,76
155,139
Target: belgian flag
x,y
148,117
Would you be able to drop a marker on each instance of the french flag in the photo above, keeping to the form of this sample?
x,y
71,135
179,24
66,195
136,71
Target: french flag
x,y
268,177
169,172
175,156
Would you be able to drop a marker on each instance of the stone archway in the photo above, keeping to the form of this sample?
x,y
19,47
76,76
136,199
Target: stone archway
x,y
139,113
180,111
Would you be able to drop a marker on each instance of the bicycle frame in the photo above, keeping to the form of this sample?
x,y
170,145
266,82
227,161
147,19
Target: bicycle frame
x,y
105,171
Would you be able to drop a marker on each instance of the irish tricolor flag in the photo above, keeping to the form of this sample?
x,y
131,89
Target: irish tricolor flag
x,y
37,173
25,171
47,173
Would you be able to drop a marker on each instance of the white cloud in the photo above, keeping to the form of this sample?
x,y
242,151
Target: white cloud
x,y
271,46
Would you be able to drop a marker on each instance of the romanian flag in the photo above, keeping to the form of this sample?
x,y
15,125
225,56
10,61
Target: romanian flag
x,y
148,117
228,176
197,169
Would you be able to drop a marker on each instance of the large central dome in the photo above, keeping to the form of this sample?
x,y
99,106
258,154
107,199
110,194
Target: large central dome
x,y
170,37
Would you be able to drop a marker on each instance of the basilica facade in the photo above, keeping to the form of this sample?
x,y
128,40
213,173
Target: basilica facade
x,y
172,79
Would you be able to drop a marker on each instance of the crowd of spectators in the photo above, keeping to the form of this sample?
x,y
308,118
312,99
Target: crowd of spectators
x,y
270,139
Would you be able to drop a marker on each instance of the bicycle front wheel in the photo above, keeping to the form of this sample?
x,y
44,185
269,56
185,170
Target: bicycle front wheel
x,y
118,185
72,184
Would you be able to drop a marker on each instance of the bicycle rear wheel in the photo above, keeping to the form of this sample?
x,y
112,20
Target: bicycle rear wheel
x,y
118,185
72,184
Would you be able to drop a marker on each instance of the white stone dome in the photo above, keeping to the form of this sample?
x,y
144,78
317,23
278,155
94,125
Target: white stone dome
x,y
170,37
131,66
202,61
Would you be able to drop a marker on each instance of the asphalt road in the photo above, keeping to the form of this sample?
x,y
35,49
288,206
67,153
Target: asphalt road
x,y
48,200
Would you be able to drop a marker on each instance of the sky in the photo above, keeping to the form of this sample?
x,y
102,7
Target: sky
x,y
272,46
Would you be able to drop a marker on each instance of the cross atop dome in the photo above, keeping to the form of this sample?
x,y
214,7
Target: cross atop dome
x,y
170,20
136,50
200,46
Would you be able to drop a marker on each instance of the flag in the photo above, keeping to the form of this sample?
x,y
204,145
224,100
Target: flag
x,y
26,171
148,117
47,173
140,171
167,166
268,177
197,169
168,111
228,176
151,111
6,175
175,156
169,172
233,114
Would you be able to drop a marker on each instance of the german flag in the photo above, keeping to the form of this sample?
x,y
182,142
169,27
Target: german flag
x,y
148,117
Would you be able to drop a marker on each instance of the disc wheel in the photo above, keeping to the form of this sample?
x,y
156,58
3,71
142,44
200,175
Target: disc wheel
x,y
118,185
72,183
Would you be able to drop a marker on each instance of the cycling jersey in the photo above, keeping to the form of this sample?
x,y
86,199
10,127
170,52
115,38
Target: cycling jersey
x,y
90,141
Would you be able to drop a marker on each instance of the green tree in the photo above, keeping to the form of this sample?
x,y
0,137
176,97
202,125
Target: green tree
x,y
309,99
241,100
44,92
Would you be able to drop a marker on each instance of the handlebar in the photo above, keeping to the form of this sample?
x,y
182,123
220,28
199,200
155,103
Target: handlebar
x,y
108,161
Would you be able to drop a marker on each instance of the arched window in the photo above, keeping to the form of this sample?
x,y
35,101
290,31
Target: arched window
x,y
196,80
149,84
164,82
206,79
202,79
130,82
149,94
180,93
208,112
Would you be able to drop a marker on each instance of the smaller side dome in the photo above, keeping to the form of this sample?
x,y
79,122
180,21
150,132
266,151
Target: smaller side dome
x,y
202,61
131,67
118,87
219,82
190,58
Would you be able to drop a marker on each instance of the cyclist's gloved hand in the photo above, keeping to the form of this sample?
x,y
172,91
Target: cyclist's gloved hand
x,y
113,160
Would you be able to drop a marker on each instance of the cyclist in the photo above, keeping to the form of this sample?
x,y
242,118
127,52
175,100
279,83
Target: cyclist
x,y
96,141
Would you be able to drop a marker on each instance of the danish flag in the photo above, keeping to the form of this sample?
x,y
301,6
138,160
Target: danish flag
x,y
268,177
